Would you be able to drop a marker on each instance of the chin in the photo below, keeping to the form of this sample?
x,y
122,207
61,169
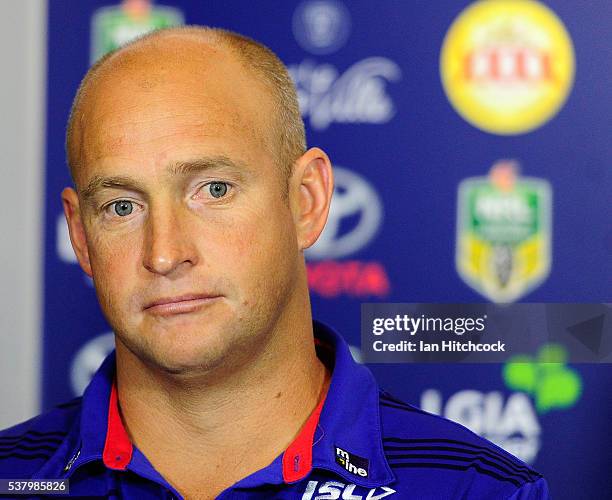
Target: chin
x,y
194,345
190,355
194,351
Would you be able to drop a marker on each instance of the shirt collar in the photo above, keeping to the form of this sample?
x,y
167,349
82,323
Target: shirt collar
x,y
347,418
99,412
350,418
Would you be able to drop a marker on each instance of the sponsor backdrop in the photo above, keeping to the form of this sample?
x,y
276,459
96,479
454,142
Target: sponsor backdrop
x,y
472,155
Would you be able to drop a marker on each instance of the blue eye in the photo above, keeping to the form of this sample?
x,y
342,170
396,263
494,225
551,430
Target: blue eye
x,y
217,189
123,208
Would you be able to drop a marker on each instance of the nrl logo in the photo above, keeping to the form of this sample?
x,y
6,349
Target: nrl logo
x,y
503,246
115,25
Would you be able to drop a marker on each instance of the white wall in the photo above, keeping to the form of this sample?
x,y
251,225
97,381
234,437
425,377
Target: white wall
x,y
23,48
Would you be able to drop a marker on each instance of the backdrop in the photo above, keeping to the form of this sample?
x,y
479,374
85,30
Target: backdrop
x,y
410,99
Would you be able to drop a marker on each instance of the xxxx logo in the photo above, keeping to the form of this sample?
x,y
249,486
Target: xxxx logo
x,y
507,66
546,377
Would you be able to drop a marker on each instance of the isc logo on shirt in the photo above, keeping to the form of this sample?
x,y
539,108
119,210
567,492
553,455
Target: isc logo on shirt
x,y
336,489
352,463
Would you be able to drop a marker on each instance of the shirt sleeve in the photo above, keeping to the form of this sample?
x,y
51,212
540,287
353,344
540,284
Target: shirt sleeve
x,y
532,491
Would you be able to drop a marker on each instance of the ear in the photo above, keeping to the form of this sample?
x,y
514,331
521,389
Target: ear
x,y
72,211
312,185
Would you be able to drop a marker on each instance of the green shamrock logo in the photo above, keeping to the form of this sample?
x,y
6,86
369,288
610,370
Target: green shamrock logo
x,y
546,377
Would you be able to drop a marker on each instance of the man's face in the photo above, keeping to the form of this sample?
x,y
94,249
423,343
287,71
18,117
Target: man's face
x,y
192,245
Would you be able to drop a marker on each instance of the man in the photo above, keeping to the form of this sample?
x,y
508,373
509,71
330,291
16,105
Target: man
x,y
194,200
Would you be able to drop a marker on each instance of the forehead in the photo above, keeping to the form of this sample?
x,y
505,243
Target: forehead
x,y
156,99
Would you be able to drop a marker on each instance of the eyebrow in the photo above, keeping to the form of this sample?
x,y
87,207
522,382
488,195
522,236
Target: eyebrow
x,y
181,168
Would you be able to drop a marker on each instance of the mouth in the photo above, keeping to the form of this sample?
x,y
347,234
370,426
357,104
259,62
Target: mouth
x,y
183,304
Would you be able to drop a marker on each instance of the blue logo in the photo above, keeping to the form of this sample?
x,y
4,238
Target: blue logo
x,y
321,26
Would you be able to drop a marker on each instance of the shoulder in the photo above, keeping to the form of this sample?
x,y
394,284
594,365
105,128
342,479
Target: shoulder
x,y
443,456
26,447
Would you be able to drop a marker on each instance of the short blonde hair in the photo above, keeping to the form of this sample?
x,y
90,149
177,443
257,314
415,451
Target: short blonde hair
x,y
288,127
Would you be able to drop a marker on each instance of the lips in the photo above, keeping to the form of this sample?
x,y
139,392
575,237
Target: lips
x,y
180,304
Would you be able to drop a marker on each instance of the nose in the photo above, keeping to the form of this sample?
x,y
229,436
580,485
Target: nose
x,y
168,247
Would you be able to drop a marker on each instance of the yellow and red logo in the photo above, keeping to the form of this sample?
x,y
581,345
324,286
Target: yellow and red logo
x,y
507,66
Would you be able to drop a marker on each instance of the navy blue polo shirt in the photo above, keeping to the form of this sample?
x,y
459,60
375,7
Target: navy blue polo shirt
x,y
359,443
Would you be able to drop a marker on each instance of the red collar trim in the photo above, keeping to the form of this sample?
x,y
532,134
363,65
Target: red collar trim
x,y
117,447
297,459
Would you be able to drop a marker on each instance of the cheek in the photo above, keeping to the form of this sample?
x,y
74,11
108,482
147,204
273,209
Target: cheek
x,y
115,251
266,250
114,260
264,235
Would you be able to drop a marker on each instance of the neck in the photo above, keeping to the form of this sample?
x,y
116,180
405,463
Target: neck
x,y
255,413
